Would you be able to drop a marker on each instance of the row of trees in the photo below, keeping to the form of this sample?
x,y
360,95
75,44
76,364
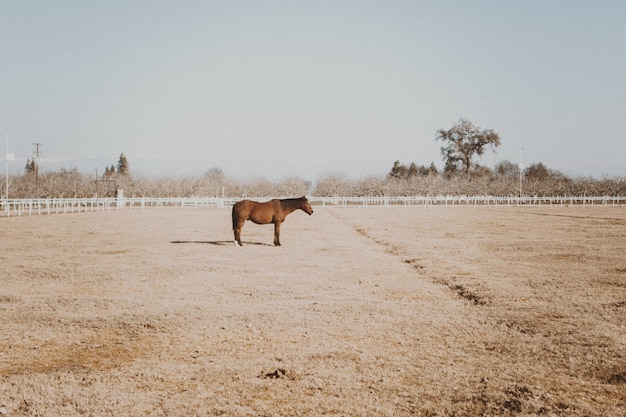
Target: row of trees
x,y
487,183
461,175
502,181
504,169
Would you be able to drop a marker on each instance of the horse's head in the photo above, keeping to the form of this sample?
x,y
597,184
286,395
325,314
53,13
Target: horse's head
x,y
305,206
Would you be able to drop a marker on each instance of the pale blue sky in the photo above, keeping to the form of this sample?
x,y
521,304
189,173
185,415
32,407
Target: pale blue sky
x,y
306,88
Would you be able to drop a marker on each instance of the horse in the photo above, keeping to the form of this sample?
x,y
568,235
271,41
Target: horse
x,y
273,211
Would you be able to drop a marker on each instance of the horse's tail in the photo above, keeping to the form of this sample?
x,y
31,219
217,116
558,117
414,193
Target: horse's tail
x,y
234,214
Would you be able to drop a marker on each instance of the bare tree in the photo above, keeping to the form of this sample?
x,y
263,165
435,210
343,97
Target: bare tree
x,y
293,187
372,186
333,185
215,181
507,169
462,142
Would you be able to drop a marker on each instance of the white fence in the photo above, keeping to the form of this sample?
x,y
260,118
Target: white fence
x,y
469,200
34,206
20,207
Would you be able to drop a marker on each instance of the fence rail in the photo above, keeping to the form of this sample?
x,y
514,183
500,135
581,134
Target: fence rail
x,y
470,200
20,207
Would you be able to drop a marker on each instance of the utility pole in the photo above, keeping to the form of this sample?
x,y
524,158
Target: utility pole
x,y
6,190
37,169
8,157
521,171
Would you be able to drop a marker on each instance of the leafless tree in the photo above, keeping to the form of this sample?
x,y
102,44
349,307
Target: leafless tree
x,y
371,186
462,142
215,181
333,185
507,169
293,186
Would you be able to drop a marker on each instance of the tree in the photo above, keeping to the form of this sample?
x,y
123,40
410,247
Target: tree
x,y
215,179
425,171
538,171
333,185
293,186
122,165
31,166
507,169
462,142
215,173
398,170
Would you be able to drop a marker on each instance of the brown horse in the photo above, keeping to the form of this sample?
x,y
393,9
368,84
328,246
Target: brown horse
x,y
273,211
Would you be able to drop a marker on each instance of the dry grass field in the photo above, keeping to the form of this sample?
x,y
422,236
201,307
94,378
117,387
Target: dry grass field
x,y
379,311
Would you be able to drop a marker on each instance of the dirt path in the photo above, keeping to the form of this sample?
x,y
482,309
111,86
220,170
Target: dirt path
x,y
377,311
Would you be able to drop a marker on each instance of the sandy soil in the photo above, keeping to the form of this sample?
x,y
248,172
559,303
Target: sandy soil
x,y
389,311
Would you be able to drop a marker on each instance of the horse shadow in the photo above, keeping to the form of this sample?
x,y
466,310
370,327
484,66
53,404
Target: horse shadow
x,y
217,242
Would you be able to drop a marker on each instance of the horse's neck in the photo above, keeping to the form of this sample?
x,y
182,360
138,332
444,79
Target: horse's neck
x,y
289,206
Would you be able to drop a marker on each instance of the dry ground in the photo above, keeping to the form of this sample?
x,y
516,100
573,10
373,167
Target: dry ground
x,y
436,311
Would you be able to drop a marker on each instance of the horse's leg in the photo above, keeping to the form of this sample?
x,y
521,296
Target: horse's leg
x,y
237,226
277,233
237,233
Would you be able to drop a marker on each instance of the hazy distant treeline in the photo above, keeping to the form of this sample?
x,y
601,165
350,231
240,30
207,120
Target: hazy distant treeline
x,y
505,181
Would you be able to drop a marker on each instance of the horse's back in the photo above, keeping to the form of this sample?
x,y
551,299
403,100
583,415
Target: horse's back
x,y
241,205
261,213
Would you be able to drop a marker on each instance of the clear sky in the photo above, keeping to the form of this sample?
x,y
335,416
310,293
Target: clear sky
x,y
307,88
